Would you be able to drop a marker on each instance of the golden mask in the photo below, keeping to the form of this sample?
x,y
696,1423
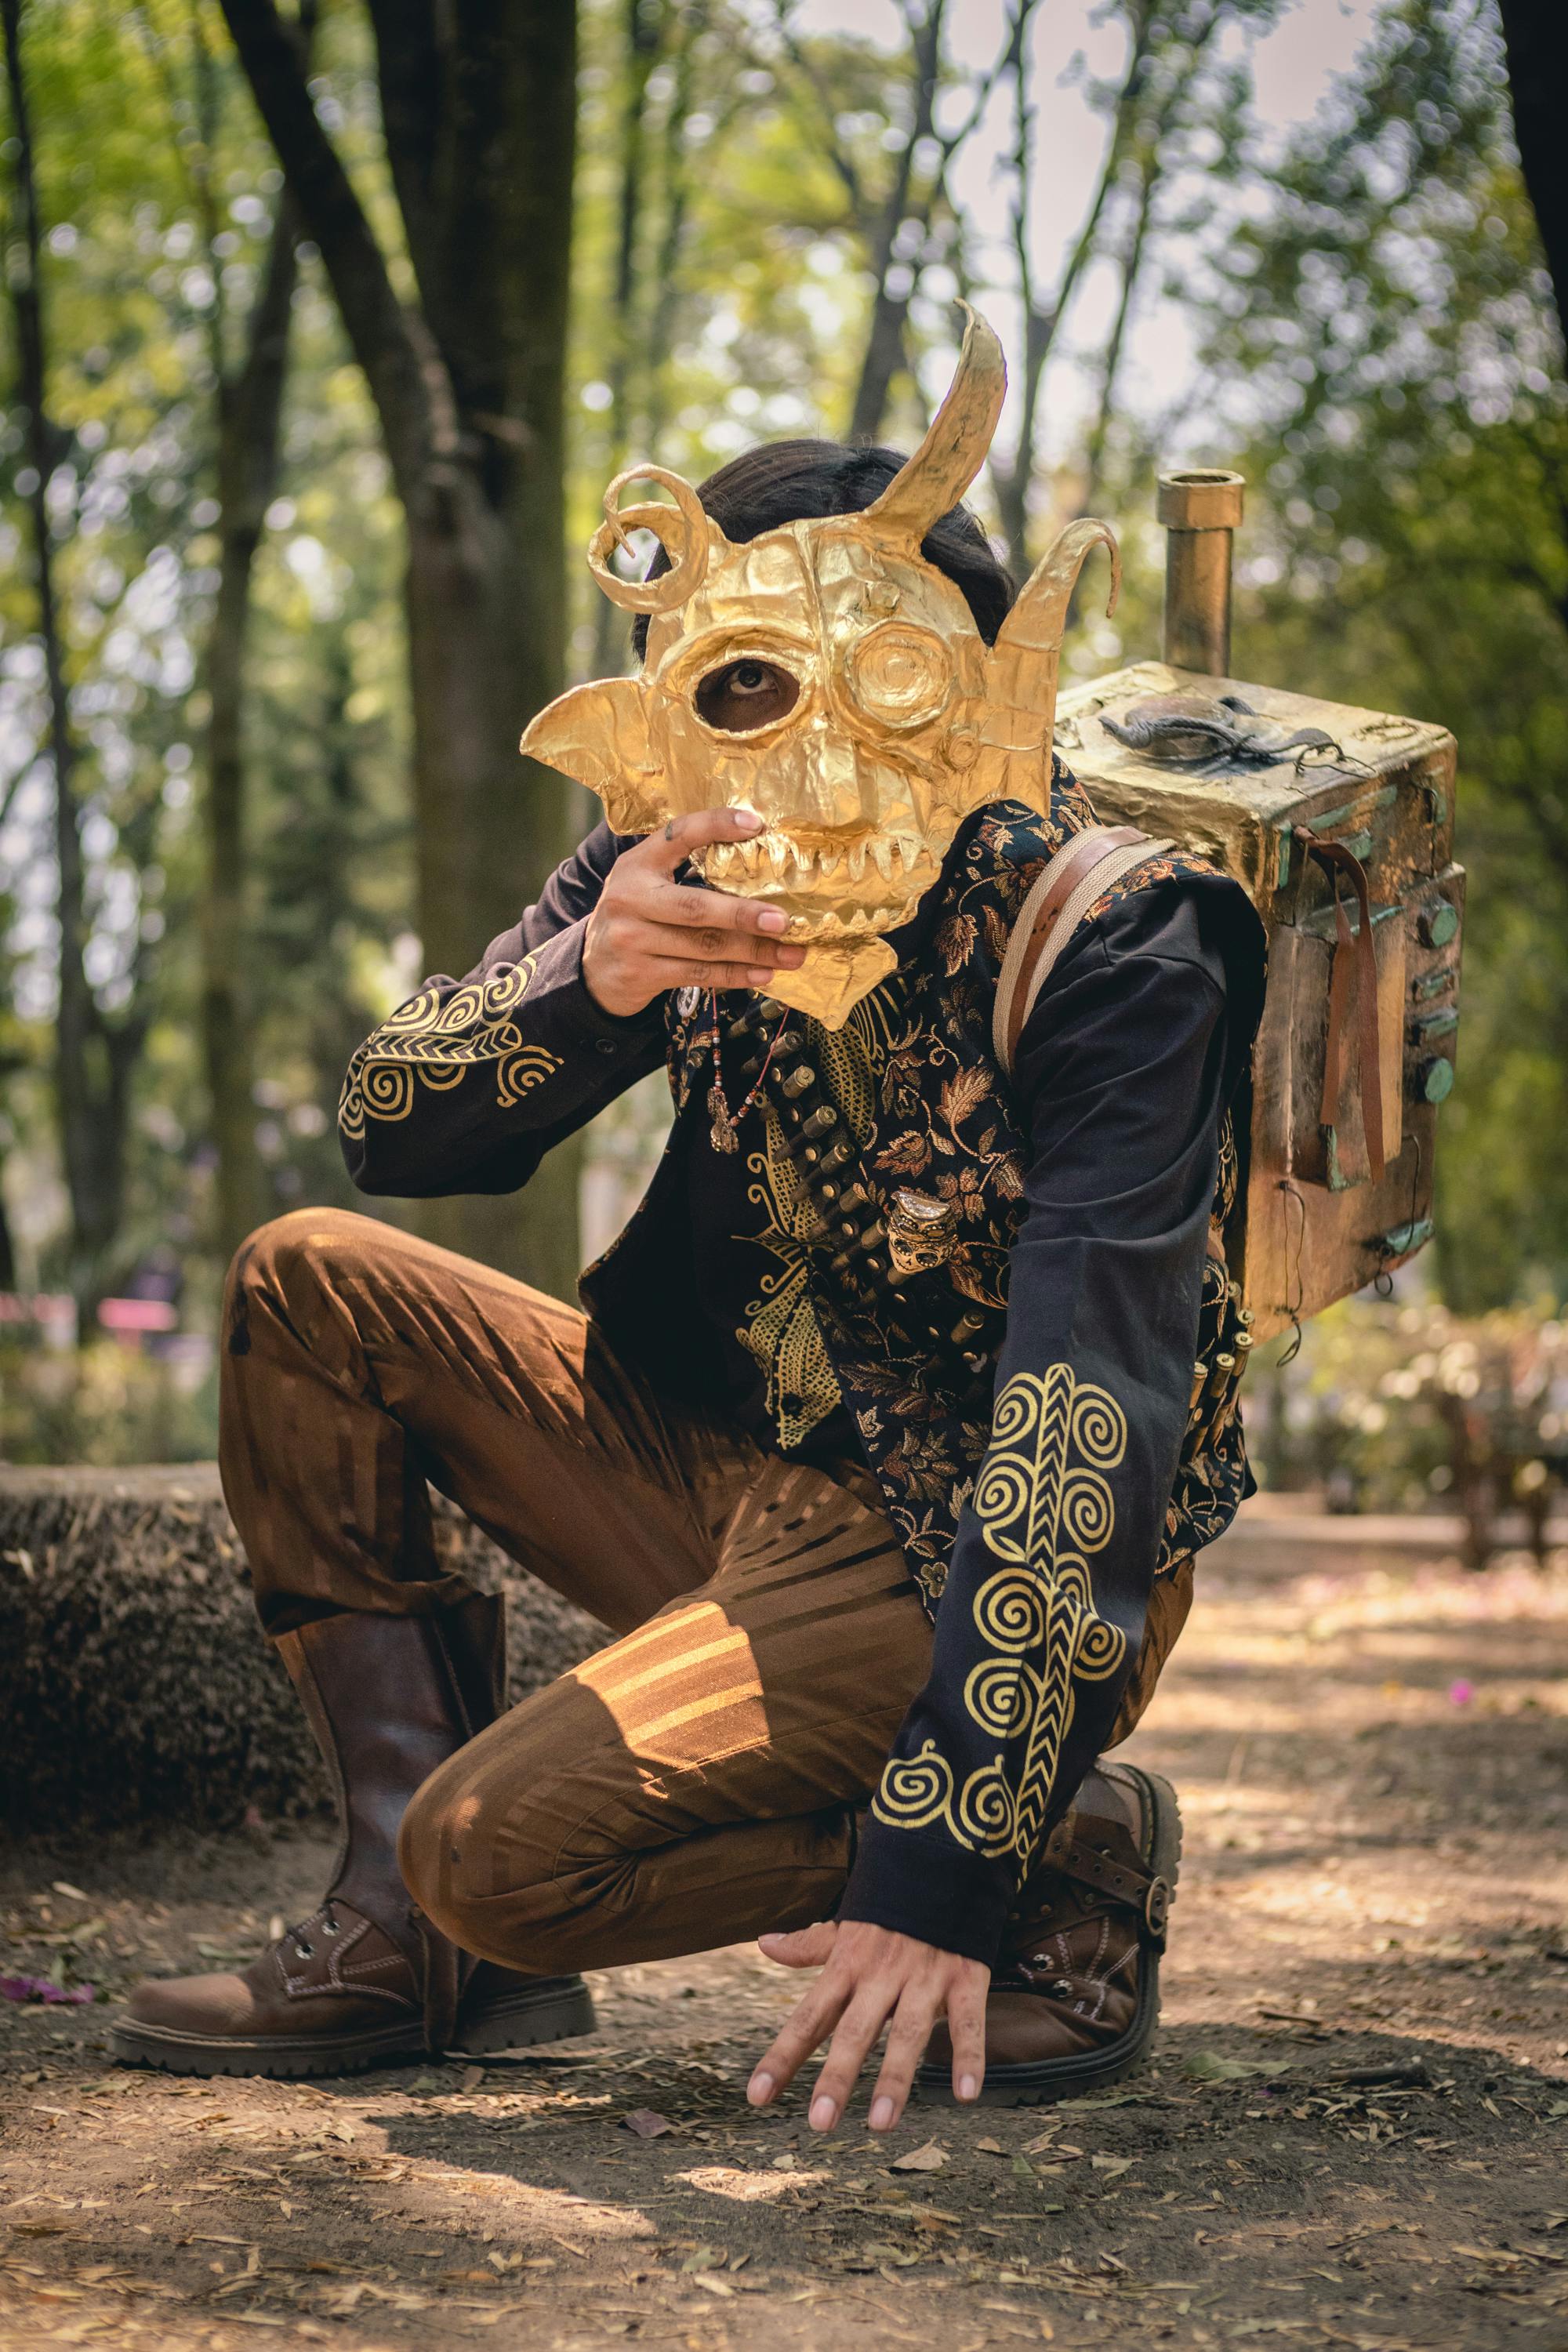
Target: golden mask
x,y
827,676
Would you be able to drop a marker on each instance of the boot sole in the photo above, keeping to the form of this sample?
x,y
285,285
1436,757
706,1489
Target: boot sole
x,y
551,2013
1042,2080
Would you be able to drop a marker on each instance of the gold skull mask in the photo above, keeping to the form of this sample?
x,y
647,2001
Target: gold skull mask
x,y
827,676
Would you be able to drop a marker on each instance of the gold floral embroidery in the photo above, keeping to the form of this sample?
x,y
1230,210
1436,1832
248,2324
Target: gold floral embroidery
x,y
924,1424
1045,1506
781,1329
436,1040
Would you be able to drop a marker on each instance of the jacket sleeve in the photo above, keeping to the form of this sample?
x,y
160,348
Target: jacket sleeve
x,y
467,1084
1121,1074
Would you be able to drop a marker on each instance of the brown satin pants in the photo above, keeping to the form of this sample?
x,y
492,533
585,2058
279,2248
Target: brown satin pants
x,y
697,1781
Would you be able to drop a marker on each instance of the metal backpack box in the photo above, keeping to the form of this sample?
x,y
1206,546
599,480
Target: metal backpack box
x,y
1339,825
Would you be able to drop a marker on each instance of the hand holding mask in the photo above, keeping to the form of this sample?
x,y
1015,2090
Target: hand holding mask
x,y
827,676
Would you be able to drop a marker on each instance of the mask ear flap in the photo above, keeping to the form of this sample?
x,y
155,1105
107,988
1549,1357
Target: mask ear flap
x,y
598,735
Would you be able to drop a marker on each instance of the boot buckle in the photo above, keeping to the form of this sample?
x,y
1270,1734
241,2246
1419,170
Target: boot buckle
x,y
1157,1910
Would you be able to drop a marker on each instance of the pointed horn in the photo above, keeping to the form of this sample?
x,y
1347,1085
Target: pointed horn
x,y
685,530
1023,666
934,479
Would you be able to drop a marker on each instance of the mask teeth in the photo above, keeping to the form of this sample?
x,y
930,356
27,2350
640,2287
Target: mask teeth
x,y
830,860
857,861
881,855
778,851
720,857
749,853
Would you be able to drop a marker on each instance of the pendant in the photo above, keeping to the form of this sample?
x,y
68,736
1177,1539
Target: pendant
x,y
722,1134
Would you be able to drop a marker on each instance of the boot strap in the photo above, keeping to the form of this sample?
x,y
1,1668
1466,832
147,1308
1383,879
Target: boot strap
x,y
1143,1892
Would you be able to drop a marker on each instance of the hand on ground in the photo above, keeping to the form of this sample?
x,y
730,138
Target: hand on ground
x,y
870,1977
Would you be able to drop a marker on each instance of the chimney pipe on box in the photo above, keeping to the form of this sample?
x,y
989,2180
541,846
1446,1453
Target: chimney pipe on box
x,y
1200,509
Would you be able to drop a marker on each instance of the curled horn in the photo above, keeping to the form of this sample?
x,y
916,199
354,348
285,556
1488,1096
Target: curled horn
x,y
934,479
1038,618
682,530
1023,665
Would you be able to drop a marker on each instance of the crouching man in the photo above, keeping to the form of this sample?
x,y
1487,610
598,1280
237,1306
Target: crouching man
x,y
894,1419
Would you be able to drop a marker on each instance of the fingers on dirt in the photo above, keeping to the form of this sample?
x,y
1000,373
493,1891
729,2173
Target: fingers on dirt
x,y
805,2031
910,2032
857,2030
966,2025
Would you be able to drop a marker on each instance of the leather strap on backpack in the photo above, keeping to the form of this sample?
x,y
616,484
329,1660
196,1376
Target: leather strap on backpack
x,y
1077,876
1353,952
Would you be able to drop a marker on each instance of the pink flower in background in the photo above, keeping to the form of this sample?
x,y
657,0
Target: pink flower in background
x,y
43,1989
1461,1693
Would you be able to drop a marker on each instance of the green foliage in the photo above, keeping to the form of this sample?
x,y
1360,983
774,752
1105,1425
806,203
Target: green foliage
x,y
1397,1407
158,192
1378,351
1387,318
103,1404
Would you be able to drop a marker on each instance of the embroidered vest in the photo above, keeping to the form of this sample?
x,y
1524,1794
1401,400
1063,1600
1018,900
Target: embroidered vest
x,y
915,1076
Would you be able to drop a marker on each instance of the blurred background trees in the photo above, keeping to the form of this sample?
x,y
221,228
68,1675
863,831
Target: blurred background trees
x,y
323,327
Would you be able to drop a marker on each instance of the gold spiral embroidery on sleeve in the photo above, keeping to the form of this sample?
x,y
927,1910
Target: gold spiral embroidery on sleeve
x,y
1045,1506
436,1040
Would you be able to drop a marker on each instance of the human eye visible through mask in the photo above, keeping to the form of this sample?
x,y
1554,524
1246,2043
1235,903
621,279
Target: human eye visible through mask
x,y
745,694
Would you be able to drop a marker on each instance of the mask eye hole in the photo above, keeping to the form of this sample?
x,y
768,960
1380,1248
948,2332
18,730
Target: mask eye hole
x,y
745,694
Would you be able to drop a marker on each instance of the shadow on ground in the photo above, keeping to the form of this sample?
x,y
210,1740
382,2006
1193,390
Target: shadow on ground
x,y
1354,2133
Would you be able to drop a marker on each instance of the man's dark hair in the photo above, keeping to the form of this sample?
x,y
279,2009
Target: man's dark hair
x,y
794,481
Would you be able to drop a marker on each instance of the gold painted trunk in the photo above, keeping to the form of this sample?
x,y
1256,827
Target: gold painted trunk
x,y
1313,1222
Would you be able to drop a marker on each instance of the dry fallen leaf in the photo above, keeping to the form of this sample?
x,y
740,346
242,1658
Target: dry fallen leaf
x,y
647,2124
930,2159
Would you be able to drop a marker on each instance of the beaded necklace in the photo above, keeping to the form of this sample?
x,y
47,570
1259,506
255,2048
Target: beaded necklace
x,y
724,1133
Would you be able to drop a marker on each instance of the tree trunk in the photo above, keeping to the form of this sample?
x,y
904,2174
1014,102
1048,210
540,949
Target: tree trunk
x,y
676,177
250,412
490,826
1131,267
890,305
1011,483
1535,37
478,109
611,636
91,1063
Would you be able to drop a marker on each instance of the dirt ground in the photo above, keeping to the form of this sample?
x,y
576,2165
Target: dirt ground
x,y
1354,2132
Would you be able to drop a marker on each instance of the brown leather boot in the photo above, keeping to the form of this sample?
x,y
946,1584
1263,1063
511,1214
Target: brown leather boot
x,y
1075,1997
366,1981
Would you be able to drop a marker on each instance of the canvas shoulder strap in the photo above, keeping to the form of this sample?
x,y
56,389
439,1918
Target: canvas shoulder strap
x,y
1077,876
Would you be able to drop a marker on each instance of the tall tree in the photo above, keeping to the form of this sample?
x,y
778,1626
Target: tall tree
x,y
1535,39
247,397
642,31
478,112
94,1054
897,224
